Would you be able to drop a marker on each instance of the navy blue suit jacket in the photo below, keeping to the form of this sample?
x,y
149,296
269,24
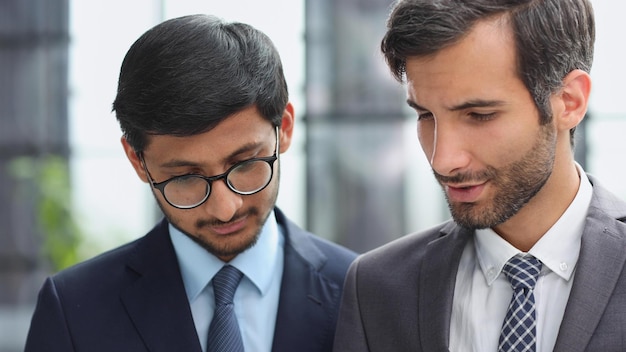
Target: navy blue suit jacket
x,y
133,299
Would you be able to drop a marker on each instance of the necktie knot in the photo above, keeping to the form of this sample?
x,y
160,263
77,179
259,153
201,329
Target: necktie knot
x,y
522,272
519,332
225,284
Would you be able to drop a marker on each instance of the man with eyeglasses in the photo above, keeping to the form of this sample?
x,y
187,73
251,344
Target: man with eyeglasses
x,y
203,107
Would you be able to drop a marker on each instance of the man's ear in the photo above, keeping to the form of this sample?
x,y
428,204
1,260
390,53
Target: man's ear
x,y
573,99
134,160
286,127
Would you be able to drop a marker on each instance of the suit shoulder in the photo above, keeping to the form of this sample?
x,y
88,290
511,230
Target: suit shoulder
x,y
401,249
114,261
329,258
96,268
326,258
336,253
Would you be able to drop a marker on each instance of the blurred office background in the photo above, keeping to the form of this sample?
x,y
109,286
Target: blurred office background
x,y
355,175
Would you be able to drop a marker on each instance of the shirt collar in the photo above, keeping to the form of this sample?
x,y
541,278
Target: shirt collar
x,y
198,266
558,249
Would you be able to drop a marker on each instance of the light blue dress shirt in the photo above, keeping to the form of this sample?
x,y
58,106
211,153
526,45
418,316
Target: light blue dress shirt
x,y
256,299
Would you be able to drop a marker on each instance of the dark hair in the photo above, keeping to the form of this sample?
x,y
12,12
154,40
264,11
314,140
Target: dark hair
x,y
187,74
552,37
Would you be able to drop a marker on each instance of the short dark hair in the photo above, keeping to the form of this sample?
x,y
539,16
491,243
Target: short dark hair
x,y
187,74
552,37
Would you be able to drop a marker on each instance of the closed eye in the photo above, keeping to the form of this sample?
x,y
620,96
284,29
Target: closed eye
x,y
183,179
426,115
482,117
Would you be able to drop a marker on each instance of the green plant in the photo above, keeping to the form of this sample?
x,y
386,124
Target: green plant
x,y
49,177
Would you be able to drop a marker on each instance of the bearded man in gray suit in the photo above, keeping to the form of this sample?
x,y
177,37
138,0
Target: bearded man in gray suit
x,y
498,88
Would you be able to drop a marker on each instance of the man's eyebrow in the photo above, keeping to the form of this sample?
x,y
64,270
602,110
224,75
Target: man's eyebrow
x,y
476,103
175,163
415,106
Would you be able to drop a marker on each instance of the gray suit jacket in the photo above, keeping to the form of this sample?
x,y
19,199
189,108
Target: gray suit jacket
x,y
399,297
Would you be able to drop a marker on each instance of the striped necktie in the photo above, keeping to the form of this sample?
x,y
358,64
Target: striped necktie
x,y
224,334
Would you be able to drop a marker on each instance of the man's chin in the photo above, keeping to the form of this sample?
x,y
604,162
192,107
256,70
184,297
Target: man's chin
x,y
228,251
470,217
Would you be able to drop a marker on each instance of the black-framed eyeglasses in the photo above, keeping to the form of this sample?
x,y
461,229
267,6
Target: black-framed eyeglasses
x,y
245,177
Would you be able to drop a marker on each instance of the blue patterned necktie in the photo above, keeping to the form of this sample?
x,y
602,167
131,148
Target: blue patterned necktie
x,y
519,333
224,334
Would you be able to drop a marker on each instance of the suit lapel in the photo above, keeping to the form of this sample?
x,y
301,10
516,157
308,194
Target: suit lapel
x,y
601,260
436,287
156,301
307,300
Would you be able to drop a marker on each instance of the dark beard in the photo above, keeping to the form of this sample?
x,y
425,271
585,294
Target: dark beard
x,y
222,252
516,184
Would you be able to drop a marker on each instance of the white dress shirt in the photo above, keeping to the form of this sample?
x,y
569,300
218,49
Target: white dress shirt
x,y
482,294
256,298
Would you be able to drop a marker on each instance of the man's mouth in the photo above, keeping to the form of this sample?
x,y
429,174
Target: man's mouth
x,y
230,227
464,193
